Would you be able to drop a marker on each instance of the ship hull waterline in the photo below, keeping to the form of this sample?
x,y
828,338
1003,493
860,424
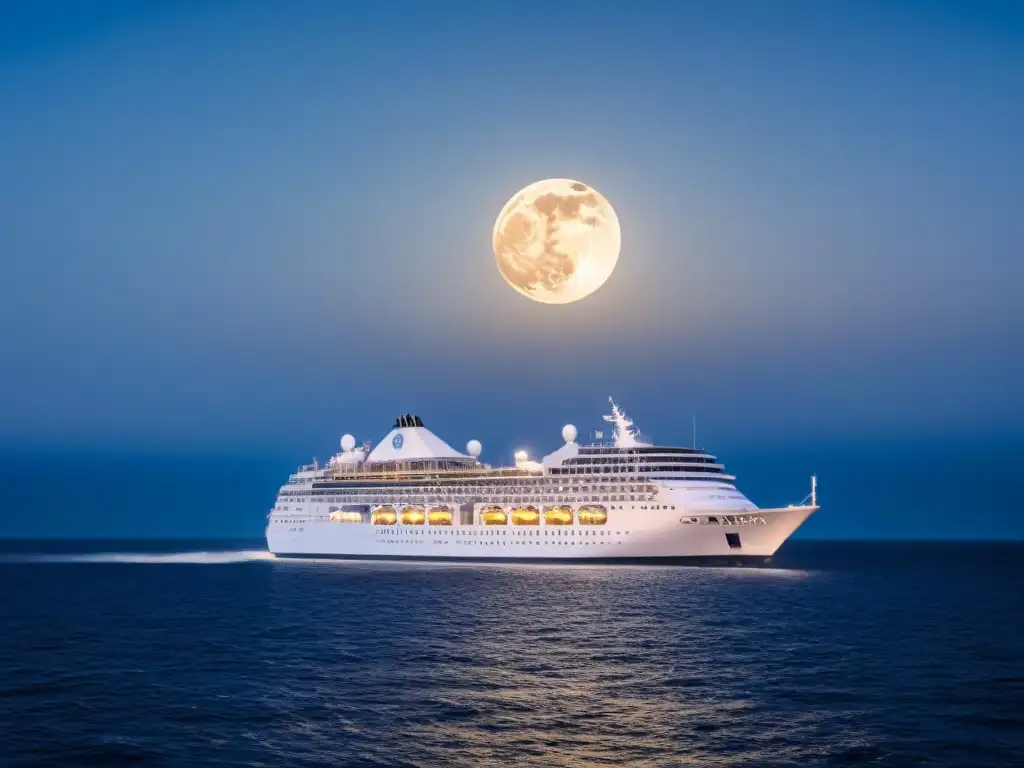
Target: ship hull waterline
x,y
667,542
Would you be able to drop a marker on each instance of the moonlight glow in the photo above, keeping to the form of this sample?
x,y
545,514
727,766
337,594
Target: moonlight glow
x,y
557,241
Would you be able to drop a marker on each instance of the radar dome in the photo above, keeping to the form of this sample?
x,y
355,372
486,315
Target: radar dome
x,y
348,443
569,433
473,448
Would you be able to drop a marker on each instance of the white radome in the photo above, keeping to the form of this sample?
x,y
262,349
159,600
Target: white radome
x,y
347,443
557,241
473,448
569,433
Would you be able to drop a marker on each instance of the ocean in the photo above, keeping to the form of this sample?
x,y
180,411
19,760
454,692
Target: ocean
x,y
211,653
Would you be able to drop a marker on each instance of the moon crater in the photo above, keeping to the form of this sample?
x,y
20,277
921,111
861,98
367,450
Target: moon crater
x,y
557,241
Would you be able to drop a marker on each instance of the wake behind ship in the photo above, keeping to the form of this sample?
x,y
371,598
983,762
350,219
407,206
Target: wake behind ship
x,y
414,497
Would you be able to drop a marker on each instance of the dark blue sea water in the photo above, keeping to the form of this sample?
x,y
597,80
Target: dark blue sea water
x,y
212,654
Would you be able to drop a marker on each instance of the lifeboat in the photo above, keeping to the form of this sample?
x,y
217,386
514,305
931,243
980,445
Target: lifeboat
x,y
413,516
558,516
439,516
525,516
384,516
493,516
342,516
593,515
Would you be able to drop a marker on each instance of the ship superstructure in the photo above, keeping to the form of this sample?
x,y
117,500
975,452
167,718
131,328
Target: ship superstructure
x,y
414,496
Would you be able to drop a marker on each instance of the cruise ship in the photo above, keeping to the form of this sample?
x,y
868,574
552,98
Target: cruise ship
x,y
621,499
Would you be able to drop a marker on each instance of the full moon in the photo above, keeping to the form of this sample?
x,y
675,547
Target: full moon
x,y
557,241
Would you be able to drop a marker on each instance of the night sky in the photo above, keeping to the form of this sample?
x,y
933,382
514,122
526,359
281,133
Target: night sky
x,y
253,226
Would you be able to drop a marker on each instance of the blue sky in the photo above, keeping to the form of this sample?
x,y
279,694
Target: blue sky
x,y
260,225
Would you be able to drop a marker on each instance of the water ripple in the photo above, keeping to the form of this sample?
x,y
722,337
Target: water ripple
x,y
161,659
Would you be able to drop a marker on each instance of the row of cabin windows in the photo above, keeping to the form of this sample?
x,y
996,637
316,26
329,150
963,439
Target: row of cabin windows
x,y
646,469
489,484
367,507
606,487
644,460
423,541
635,493
612,451
566,485
381,530
499,500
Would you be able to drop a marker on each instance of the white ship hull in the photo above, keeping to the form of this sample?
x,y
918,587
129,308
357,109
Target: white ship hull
x,y
657,535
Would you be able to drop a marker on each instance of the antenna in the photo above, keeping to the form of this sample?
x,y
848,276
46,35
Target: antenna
x,y
814,490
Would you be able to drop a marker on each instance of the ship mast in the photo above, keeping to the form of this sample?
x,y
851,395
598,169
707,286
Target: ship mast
x,y
625,436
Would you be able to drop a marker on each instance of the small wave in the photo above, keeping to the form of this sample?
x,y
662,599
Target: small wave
x,y
161,558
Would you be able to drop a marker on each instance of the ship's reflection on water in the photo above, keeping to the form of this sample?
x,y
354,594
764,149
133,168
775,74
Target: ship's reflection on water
x,y
435,665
